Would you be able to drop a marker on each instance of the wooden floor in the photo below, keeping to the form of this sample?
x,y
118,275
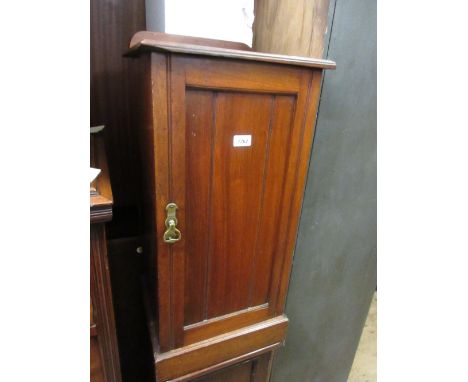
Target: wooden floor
x,y
364,368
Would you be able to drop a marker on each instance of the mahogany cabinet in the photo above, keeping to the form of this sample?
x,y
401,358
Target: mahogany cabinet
x,y
104,363
225,137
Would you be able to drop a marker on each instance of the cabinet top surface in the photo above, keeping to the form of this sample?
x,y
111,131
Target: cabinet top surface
x,y
163,42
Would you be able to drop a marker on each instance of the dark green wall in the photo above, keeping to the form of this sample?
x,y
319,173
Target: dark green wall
x,y
334,271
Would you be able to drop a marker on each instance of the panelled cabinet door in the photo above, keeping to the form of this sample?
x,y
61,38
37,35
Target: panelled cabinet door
x,y
231,155
255,370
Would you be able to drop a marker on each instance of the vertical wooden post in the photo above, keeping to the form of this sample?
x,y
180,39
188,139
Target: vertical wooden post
x,y
290,27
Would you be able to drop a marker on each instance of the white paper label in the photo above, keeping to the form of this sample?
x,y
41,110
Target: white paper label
x,y
242,140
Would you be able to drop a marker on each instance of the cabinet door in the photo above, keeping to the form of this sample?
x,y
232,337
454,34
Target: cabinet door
x,y
254,370
231,151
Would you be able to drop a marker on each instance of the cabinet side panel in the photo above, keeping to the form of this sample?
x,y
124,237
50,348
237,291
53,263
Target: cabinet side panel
x,y
140,98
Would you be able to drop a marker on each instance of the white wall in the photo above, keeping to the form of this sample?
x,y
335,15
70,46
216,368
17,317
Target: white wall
x,y
219,19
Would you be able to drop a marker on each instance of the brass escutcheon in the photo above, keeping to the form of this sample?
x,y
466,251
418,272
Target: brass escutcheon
x,y
172,234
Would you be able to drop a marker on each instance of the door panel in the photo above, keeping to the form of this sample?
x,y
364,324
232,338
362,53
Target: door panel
x,y
234,196
273,195
234,201
238,373
254,370
199,137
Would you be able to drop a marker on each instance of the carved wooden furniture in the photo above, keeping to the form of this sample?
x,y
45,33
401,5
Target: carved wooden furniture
x,y
225,135
105,364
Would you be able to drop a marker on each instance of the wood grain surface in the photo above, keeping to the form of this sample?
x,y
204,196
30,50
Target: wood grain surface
x,y
105,363
254,370
113,22
263,356
290,27
141,43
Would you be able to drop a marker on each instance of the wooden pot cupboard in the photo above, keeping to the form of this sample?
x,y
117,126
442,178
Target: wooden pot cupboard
x,y
105,364
225,137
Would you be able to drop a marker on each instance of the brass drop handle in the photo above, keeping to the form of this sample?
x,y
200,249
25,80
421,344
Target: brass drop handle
x,y
172,234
